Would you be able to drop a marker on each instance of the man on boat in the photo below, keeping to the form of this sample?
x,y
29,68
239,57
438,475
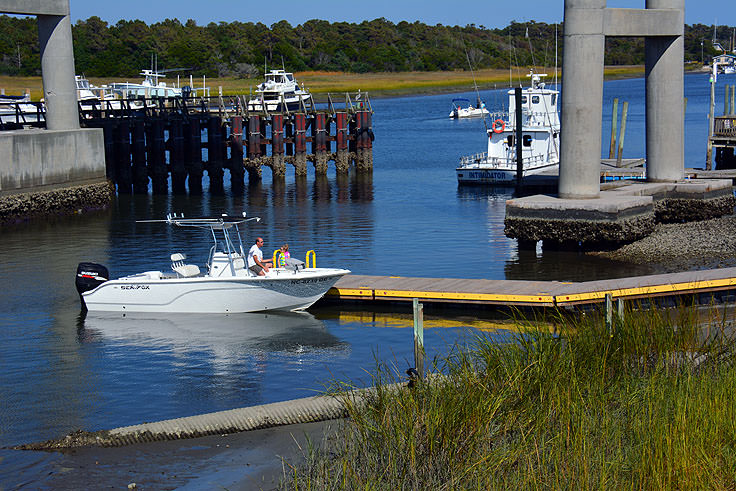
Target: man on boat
x,y
255,259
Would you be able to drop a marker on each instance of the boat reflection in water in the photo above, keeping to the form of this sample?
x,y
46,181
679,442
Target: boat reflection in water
x,y
230,337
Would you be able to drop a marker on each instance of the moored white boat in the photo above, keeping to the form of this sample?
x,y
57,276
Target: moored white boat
x,y
540,139
19,109
462,108
225,285
279,92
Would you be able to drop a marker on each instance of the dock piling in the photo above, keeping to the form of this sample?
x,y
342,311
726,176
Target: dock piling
x,y
418,310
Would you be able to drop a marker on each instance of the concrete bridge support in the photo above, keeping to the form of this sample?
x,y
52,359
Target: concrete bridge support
x,y
665,90
57,69
582,98
587,23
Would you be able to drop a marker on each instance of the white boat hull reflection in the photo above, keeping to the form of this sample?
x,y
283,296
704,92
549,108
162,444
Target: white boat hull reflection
x,y
226,335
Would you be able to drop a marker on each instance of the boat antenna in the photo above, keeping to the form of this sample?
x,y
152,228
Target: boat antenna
x,y
531,49
511,75
477,94
283,67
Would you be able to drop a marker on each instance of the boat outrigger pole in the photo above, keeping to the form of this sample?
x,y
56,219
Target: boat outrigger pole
x,y
477,94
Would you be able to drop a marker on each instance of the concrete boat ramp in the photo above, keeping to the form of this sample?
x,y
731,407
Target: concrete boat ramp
x,y
706,284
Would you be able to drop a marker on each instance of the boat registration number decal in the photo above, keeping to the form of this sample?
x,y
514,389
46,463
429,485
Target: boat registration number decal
x,y
310,280
135,287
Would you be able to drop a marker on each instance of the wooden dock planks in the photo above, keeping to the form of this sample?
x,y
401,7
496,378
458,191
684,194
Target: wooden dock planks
x,y
528,293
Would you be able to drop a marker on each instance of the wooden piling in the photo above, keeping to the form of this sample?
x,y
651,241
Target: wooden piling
x,y
177,161
124,171
300,144
237,170
278,165
214,155
140,172
193,149
725,99
108,127
319,143
624,114
156,147
614,124
253,148
418,310
364,133
342,162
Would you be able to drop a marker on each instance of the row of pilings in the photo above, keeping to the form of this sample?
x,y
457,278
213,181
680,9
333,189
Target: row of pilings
x,y
149,145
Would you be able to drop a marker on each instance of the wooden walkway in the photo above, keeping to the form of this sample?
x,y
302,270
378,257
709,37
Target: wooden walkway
x,y
357,288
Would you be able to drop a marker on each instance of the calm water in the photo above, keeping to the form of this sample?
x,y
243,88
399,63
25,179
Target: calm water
x,y
61,371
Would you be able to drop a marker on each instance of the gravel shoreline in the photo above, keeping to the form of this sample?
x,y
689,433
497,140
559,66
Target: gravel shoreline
x,y
688,246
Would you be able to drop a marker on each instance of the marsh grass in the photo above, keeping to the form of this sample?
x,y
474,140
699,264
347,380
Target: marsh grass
x,y
648,404
321,83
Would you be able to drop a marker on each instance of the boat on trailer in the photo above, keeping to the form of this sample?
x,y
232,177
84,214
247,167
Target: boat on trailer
x,y
540,139
224,285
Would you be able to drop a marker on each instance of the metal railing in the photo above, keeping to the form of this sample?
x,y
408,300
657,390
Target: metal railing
x,y
724,126
500,162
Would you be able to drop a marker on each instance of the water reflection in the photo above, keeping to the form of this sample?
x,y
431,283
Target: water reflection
x,y
228,336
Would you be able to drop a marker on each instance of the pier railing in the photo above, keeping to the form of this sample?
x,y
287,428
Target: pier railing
x,y
724,126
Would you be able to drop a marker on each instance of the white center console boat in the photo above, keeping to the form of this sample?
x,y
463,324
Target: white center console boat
x,y
225,284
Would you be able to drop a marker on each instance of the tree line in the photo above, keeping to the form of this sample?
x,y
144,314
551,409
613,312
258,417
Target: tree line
x,y
241,49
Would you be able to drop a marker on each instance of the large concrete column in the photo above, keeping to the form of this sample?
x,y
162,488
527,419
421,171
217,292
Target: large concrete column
x,y
57,70
582,99
665,90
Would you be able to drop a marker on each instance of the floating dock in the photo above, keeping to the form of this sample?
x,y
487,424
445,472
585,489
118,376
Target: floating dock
x,y
519,293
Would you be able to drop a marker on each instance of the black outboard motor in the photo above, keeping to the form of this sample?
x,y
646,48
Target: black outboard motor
x,y
186,92
89,277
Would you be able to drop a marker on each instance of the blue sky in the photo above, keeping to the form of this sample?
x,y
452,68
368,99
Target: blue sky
x,y
488,13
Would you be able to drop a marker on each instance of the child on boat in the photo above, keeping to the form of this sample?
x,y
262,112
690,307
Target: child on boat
x,y
284,255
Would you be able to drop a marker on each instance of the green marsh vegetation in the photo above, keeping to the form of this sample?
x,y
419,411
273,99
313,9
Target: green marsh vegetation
x,y
646,404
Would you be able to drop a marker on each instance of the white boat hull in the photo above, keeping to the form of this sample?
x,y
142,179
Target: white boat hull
x,y
491,175
292,104
468,113
148,292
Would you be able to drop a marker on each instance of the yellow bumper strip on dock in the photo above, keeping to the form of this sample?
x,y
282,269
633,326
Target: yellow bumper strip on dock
x,y
350,292
647,290
488,297
539,299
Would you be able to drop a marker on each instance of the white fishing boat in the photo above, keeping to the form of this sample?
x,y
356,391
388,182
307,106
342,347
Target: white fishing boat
x,y
224,285
19,109
462,108
540,139
150,87
279,92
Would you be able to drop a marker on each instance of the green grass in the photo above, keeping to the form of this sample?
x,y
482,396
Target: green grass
x,y
339,83
643,406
